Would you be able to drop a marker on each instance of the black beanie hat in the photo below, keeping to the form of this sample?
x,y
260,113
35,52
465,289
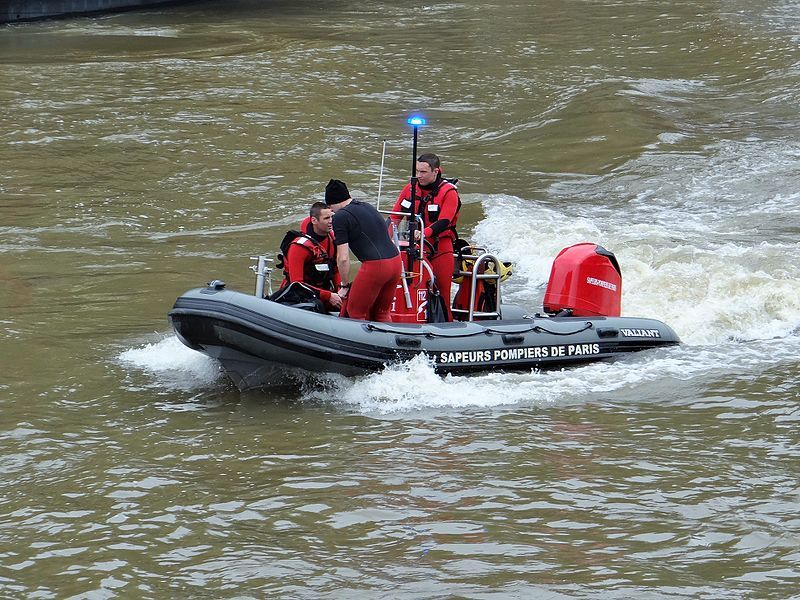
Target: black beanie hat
x,y
336,192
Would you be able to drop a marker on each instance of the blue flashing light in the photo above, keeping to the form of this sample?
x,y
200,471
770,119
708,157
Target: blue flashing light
x,y
416,120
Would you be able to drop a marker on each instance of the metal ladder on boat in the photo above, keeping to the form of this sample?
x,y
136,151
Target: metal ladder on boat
x,y
480,257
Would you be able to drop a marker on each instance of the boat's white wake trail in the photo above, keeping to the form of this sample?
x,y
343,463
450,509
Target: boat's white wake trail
x,y
652,376
172,365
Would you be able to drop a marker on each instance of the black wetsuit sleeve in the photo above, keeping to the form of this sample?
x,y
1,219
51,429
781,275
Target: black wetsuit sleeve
x,y
440,226
342,227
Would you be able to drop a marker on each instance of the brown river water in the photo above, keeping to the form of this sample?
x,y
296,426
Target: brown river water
x,y
145,153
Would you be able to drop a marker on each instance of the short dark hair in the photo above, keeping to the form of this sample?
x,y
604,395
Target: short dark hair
x,y
316,208
430,158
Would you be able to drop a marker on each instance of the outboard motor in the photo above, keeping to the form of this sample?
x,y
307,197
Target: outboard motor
x,y
585,281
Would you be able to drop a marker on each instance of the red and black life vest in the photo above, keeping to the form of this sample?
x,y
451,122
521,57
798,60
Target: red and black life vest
x,y
320,269
429,206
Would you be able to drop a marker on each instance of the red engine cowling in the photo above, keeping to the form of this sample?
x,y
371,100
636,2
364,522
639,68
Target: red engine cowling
x,y
586,280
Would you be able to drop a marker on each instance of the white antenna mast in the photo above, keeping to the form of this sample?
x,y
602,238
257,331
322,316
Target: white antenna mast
x,y
380,179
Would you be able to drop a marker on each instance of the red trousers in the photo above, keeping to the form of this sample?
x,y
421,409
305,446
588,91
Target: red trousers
x,y
372,291
442,265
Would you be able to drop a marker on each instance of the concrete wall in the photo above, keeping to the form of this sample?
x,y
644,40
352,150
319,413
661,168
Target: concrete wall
x,y
26,10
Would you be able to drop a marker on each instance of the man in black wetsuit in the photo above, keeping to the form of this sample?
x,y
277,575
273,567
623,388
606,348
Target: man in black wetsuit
x,y
359,227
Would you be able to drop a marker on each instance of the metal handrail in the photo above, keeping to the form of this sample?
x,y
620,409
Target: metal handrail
x,y
421,230
262,272
479,260
425,265
421,241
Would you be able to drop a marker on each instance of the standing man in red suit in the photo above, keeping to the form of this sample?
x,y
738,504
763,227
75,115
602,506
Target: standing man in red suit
x,y
311,257
359,227
438,203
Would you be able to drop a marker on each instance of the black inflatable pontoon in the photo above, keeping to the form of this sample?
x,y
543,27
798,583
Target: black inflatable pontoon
x,y
251,336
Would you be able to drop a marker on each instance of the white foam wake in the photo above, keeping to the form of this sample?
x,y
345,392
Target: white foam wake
x,y
653,376
172,365
688,234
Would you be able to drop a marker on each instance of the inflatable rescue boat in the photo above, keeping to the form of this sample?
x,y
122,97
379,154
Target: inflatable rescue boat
x,y
257,339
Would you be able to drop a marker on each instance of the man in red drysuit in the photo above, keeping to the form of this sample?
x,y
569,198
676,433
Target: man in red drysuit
x,y
437,201
311,257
